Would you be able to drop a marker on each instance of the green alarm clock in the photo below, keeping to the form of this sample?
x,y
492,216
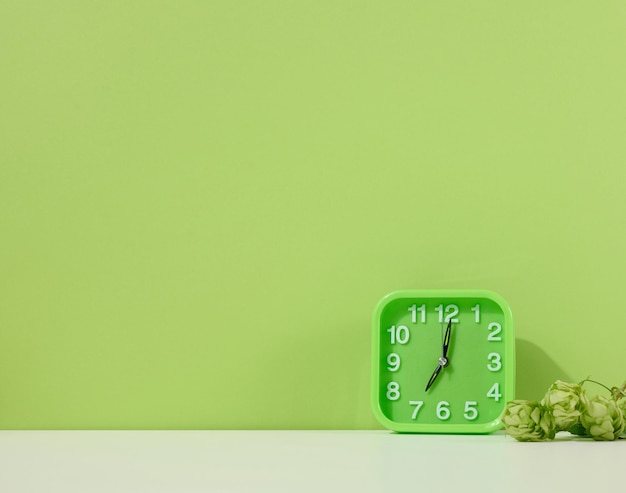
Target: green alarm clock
x,y
443,361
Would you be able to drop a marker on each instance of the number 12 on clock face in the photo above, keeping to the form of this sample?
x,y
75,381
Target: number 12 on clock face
x,y
443,361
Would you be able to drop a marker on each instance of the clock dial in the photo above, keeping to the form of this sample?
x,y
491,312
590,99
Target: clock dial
x,y
443,361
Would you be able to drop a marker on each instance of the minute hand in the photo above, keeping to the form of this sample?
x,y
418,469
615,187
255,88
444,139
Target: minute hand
x,y
443,361
446,343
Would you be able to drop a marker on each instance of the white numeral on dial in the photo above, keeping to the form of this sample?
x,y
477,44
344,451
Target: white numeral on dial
x,y
494,329
393,391
443,410
471,412
450,312
494,392
399,334
414,309
393,361
495,361
476,310
418,405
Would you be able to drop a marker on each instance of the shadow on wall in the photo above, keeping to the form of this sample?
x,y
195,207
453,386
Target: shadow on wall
x,y
535,371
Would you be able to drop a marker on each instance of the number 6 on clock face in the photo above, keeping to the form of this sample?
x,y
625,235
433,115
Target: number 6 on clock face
x,y
443,361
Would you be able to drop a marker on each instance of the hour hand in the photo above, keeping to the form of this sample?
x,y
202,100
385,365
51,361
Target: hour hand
x,y
433,377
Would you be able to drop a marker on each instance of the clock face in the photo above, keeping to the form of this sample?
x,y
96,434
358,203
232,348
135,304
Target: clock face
x,y
442,361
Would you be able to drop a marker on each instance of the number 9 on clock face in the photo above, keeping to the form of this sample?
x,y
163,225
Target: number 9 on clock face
x,y
443,361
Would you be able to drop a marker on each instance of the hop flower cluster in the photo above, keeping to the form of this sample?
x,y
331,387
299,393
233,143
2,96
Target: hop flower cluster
x,y
567,407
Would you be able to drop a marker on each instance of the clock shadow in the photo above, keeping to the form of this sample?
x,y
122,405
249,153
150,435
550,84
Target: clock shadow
x,y
535,371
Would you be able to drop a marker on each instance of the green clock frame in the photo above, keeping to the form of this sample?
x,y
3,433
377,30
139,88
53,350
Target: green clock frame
x,y
472,330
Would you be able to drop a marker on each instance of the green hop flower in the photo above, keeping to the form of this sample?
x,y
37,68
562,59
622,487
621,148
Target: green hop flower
x,y
578,429
622,405
602,418
563,399
528,421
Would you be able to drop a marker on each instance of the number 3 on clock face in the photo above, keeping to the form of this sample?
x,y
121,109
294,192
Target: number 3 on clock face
x,y
443,361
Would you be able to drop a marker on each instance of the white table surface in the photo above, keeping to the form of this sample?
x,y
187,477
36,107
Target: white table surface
x,y
297,461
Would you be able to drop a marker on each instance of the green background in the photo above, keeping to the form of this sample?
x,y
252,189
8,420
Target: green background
x,y
201,203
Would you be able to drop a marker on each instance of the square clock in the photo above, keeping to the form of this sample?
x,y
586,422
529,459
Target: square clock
x,y
443,361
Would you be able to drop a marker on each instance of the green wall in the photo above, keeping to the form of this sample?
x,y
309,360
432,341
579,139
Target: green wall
x,y
202,202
